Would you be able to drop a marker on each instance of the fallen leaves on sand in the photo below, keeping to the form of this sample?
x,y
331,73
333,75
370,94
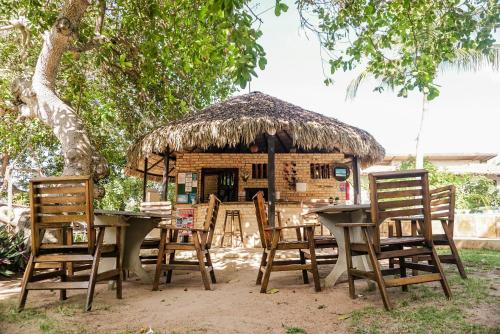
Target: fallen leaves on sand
x,y
272,291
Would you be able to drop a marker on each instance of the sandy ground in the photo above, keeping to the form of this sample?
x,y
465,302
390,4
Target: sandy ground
x,y
234,306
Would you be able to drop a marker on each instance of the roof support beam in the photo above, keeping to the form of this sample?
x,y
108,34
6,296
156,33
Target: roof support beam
x,y
356,174
145,179
166,168
271,180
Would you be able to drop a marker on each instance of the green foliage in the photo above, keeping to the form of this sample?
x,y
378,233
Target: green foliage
x,y
472,191
402,43
13,251
156,61
122,193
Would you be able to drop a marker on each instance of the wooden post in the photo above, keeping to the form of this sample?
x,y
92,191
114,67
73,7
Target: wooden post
x,y
145,180
271,181
164,183
356,180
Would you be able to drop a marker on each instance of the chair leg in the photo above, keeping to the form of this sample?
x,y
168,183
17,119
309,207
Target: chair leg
x,y
171,260
414,259
263,263
159,259
94,270
209,263
171,257
377,270
390,234
305,278
437,264
119,279
348,254
223,231
28,274
314,264
454,250
201,261
270,261
241,230
402,272
62,293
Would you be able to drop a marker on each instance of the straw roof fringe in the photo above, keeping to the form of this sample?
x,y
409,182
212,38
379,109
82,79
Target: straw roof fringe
x,y
241,119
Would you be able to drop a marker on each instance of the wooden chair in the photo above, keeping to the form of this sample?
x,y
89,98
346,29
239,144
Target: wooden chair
x,y
152,242
57,204
270,239
442,209
396,194
201,243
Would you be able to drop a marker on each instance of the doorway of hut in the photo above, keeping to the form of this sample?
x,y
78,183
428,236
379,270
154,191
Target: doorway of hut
x,y
223,182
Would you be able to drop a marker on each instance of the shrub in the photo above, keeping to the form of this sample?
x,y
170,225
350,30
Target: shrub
x,y
13,251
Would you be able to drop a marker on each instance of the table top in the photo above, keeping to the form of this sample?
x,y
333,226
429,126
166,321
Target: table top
x,y
332,208
100,212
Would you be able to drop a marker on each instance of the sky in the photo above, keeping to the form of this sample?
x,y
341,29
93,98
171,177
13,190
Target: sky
x,y
464,118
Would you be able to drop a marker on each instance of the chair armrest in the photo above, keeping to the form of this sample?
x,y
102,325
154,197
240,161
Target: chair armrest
x,y
291,226
354,225
115,224
175,228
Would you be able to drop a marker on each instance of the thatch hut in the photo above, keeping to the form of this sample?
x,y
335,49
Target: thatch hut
x,y
255,142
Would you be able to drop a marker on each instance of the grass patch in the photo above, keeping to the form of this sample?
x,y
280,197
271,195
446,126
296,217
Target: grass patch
x,y
294,330
58,322
425,309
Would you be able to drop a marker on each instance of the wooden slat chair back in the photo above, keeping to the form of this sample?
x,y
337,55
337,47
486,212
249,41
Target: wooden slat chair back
x,y
211,219
152,241
395,195
442,202
57,204
262,221
271,242
62,204
201,242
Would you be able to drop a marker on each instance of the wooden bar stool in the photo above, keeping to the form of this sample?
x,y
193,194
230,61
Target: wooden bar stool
x,y
231,214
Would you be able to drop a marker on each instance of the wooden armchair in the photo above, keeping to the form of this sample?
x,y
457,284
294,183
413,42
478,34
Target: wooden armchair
x,y
396,194
442,209
270,239
57,203
201,243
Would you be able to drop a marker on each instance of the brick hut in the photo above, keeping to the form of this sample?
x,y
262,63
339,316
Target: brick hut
x,y
253,142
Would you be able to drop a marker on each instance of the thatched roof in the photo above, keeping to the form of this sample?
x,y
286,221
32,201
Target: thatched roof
x,y
241,120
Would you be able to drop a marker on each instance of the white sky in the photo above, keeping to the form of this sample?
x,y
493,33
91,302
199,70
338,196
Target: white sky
x,y
464,118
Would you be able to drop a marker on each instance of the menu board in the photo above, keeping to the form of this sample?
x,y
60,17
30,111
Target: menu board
x,y
187,184
185,218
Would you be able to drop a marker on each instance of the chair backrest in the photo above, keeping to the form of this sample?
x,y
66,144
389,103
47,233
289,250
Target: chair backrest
x,y
262,221
443,203
211,217
57,203
397,195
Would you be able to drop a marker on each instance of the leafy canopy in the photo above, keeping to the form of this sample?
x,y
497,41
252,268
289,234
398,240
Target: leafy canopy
x,y
151,62
401,42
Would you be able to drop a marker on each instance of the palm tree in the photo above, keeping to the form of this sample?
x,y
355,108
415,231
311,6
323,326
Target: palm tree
x,y
464,60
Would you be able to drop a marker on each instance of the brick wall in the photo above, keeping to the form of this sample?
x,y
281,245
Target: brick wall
x,y
317,189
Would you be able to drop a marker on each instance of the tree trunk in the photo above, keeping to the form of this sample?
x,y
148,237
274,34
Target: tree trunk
x,y
41,101
3,171
419,154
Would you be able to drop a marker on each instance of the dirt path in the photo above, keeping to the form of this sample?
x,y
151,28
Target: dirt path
x,y
234,306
